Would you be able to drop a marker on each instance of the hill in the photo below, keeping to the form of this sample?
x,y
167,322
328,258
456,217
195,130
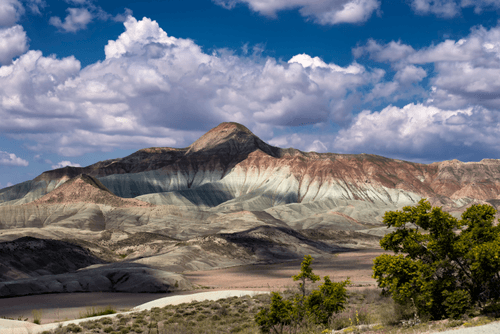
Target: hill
x,y
210,203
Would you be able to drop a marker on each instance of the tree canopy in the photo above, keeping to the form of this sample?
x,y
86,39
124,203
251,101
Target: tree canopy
x,y
316,307
442,265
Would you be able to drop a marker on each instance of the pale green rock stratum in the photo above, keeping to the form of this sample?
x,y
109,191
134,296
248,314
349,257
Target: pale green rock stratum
x,y
213,201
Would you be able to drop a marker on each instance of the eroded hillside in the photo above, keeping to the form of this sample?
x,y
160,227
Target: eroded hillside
x,y
230,199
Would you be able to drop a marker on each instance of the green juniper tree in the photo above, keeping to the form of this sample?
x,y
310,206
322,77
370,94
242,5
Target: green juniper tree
x,y
443,265
317,307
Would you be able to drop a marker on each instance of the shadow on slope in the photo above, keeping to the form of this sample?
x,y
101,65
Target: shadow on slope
x,y
32,257
268,244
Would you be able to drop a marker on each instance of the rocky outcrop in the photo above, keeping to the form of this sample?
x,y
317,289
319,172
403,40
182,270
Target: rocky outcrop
x,y
86,189
229,169
32,257
121,277
228,199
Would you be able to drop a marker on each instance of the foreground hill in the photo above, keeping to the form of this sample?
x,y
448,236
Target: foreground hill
x,y
208,205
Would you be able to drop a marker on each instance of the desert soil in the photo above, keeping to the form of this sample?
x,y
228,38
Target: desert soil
x,y
354,264
264,277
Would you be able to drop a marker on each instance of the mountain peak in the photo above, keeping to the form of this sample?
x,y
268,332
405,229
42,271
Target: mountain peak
x,y
232,138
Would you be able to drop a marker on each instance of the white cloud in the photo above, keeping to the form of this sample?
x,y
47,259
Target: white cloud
x,y
325,12
410,74
442,8
9,184
420,130
466,71
142,93
10,11
305,142
123,17
77,19
390,52
451,8
65,164
13,42
36,5
317,146
10,159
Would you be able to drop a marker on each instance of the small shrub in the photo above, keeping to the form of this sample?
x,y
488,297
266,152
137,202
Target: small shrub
x,y
73,328
97,311
108,329
454,323
37,316
300,309
106,321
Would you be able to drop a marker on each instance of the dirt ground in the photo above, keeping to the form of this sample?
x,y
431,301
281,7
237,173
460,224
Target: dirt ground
x,y
356,264
265,277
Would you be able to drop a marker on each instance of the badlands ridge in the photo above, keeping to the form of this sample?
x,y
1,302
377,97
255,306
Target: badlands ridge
x,y
136,223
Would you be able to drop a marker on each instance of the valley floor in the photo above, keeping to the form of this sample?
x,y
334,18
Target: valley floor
x,y
264,277
356,264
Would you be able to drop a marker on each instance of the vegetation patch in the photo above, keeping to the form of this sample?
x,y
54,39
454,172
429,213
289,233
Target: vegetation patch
x,y
97,311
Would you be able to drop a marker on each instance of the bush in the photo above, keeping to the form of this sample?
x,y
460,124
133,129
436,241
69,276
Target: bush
x,y
446,266
301,309
37,316
97,311
74,328
108,329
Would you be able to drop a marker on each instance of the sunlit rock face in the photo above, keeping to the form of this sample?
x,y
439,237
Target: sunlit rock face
x,y
229,199
229,169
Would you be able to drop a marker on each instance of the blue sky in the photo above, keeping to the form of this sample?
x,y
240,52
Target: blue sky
x,y
83,81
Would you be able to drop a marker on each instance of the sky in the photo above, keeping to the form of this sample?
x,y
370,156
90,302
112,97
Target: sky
x,y
83,81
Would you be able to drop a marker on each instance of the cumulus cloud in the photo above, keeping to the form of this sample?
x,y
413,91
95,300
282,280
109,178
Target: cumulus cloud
x,y
420,130
390,52
325,12
305,142
465,72
142,93
410,74
10,159
10,11
77,19
451,8
13,39
65,164
13,42
442,8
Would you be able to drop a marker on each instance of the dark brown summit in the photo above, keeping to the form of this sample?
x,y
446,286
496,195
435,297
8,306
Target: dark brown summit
x,y
230,139
222,147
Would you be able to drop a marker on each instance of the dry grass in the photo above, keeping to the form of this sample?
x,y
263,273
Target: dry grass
x,y
368,312
230,315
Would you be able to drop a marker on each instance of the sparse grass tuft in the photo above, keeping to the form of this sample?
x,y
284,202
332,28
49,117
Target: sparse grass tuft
x,y
97,311
37,316
368,312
